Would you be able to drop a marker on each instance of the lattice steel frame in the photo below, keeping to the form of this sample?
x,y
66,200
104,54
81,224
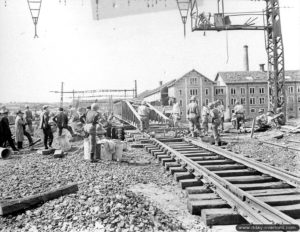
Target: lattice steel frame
x,y
274,48
275,52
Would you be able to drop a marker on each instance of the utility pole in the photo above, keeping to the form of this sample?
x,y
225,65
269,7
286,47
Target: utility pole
x,y
62,95
35,8
135,88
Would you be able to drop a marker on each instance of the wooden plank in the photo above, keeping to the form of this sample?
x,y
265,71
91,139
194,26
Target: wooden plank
x,y
203,196
190,183
198,190
137,145
197,154
249,179
241,172
216,162
183,176
12,206
225,167
154,151
203,158
177,169
270,185
273,192
195,207
291,210
160,157
214,217
167,160
170,165
281,200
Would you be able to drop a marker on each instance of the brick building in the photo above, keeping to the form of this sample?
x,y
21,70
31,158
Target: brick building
x,y
192,83
250,89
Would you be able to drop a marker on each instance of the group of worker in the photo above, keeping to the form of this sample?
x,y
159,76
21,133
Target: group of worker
x,y
94,123
268,120
213,111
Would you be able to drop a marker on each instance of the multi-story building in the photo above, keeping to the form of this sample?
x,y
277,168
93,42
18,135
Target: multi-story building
x,y
250,88
192,83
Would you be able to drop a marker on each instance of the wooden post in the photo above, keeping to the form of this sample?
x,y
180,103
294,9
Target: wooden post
x,y
253,124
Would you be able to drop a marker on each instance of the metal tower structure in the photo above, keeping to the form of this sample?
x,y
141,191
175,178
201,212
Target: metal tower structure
x,y
273,37
35,8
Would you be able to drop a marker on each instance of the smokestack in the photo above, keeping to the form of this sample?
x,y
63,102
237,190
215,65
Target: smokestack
x,y
160,83
246,59
262,67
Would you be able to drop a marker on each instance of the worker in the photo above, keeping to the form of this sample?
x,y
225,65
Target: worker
x,y
82,118
45,126
19,129
240,114
193,116
279,117
144,113
215,121
221,110
61,119
92,120
29,119
262,122
176,113
6,132
204,119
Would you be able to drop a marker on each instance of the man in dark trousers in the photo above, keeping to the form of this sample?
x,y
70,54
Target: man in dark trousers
x,y
6,135
61,119
44,125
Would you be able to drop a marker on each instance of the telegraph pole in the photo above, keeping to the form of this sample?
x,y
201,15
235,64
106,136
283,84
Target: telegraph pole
x,y
62,95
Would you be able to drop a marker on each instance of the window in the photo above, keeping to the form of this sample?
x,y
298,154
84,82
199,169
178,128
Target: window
x,y
298,89
251,90
206,91
180,112
243,91
180,102
219,91
261,90
252,101
291,100
233,100
206,101
243,100
232,91
299,99
232,111
291,89
180,92
261,100
252,110
193,92
193,80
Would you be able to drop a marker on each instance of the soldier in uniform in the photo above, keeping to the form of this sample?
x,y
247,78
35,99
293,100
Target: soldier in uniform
x,y
240,114
144,113
205,115
215,121
29,119
45,126
193,116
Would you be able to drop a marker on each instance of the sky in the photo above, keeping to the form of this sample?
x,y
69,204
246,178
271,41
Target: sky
x,y
88,54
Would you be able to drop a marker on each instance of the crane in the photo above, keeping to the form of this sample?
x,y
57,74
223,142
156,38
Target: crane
x,y
273,37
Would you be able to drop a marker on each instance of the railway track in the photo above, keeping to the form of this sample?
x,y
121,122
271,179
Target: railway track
x,y
226,188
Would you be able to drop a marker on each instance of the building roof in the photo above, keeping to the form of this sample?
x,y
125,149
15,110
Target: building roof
x,y
193,72
158,89
254,76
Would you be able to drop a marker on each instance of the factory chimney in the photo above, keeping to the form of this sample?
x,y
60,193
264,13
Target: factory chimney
x,y
246,59
160,83
262,67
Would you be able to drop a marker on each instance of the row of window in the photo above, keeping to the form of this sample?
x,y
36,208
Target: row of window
x,y
194,92
261,90
206,101
252,101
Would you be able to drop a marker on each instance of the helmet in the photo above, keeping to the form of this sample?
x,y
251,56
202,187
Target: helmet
x,y
95,107
193,98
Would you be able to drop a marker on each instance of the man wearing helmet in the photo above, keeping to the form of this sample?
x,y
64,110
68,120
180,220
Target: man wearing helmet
x,y
215,120
193,116
240,114
144,113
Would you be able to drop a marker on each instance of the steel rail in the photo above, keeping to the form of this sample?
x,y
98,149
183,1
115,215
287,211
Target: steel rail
x,y
252,209
291,180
